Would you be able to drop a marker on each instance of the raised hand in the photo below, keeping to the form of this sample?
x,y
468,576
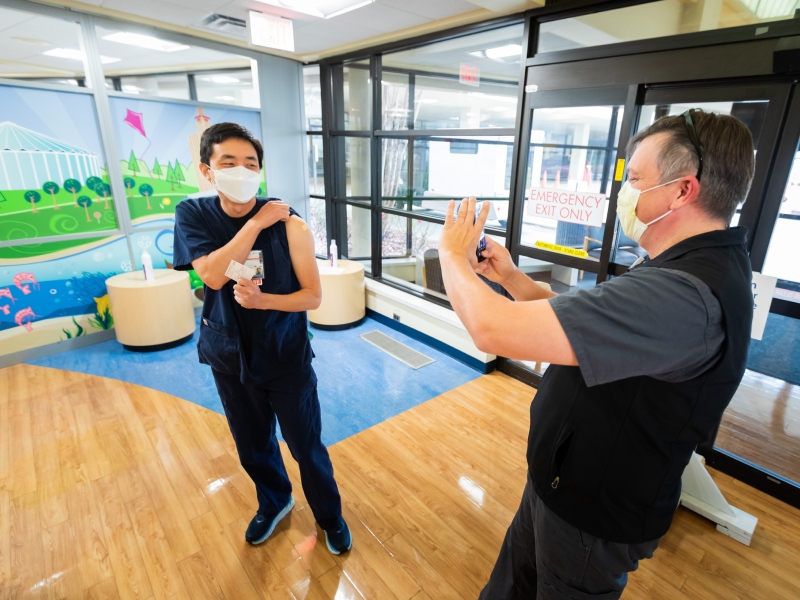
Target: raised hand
x,y
271,213
498,266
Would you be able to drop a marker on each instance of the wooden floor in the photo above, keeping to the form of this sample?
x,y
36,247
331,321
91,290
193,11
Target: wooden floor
x,y
112,490
762,424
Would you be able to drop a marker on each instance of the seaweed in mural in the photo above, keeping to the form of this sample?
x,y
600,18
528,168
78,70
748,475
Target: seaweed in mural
x,y
90,285
79,332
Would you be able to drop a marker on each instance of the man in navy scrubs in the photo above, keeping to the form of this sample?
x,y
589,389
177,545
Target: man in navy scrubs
x,y
641,366
255,337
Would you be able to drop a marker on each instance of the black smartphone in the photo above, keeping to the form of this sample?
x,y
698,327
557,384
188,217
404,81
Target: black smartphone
x,y
481,248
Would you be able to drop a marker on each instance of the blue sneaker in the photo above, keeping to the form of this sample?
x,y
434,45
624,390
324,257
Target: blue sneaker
x,y
261,527
339,540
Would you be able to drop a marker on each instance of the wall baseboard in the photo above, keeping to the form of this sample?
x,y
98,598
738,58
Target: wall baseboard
x,y
15,358
430,323
24,356
482,367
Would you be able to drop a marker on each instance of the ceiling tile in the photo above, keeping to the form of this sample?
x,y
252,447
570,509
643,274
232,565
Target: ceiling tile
x,y
379,18
438,9
157,10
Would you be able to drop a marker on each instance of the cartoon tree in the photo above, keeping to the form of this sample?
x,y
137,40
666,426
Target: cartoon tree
x,y
133,164
130,183
104,190
171,175
51,187
146,190
85,202
157,169
33,197
73,186
92,182
179,176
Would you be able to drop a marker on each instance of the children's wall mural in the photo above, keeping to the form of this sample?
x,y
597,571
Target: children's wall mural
x,y
53,291
159,153
53,176
54,181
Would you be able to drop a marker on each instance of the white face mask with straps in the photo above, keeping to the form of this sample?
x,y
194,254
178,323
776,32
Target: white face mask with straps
x,y
239,184
627,200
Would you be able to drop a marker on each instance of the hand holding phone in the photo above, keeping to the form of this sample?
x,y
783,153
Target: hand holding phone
x,y
481,248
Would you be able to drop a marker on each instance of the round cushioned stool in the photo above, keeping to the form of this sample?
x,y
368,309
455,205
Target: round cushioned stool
x,y
343,296
151,315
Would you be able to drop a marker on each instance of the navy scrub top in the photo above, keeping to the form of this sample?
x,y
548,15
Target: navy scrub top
x,y
257,345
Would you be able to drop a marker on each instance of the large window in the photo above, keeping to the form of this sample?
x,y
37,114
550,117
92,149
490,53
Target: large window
x,y
39,48
465,83
447,132
147,65
782,261
315,159
658,19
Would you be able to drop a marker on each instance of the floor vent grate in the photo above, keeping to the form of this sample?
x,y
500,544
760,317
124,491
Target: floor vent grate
x,y
396,349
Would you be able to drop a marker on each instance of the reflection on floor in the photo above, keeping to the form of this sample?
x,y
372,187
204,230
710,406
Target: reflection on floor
x,y
762,425
359,385
113,490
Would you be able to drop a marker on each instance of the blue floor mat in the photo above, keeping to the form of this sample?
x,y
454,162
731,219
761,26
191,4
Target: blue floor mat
x,y
359,385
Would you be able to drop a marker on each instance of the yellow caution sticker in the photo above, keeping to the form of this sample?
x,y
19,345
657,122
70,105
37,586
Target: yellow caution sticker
x,y
563,249
620,169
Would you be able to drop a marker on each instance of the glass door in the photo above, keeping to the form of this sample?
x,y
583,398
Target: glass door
x,y
759,439
569,148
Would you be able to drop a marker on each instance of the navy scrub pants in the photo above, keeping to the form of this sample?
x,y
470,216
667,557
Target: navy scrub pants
x,y
545,558
252,412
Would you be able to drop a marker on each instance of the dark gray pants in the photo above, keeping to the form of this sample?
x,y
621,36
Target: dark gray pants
x,y
545,558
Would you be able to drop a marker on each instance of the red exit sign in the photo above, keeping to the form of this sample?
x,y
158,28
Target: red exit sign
x,y
470,75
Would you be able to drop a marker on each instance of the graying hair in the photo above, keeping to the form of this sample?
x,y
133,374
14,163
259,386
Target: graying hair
x,y
728,158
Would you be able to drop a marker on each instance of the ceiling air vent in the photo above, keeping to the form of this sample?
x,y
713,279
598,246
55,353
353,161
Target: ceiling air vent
x,y
224,25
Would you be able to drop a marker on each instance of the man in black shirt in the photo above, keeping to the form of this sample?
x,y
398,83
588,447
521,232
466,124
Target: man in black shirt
x,y
642,366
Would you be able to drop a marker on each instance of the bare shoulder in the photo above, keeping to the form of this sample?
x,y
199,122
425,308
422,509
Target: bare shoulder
x,y
295,225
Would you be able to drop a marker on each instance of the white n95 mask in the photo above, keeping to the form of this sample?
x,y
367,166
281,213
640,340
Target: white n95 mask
x,y
239,184
627,200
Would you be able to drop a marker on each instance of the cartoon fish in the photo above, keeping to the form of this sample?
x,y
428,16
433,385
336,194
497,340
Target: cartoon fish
x,y
6,309
6,293
102,304
25,312
19,278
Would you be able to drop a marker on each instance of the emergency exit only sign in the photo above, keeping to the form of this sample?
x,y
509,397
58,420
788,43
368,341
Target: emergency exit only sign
x,y
469,75
584,208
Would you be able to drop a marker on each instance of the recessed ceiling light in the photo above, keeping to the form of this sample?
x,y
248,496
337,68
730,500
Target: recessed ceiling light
x,y
504,51
224,79
324,9
73,54
144,41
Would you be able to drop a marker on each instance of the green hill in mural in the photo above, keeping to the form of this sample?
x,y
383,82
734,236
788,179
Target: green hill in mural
x,y
53,209
167,190
34,250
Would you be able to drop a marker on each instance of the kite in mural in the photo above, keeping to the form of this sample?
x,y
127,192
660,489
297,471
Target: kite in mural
x,y
136,120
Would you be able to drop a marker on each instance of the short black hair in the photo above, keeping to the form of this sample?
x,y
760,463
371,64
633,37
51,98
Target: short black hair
x,y
216,134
